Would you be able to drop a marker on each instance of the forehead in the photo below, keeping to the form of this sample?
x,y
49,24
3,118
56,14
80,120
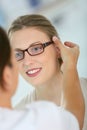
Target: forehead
x,y
25,37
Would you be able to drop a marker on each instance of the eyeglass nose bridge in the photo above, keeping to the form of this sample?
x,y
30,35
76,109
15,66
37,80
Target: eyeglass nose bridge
x,y
26,50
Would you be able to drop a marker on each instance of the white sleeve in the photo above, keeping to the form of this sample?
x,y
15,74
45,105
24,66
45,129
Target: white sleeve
x,y
47,116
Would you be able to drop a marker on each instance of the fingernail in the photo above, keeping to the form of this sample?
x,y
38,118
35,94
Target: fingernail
x,y
55,38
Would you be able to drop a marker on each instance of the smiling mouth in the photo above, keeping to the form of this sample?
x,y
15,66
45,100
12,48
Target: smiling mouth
x,y
33,72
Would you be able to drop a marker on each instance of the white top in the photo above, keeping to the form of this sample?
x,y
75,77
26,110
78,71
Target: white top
x,y
31,97
38,116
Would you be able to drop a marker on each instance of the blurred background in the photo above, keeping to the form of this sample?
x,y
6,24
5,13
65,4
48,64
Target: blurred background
x,y
68,16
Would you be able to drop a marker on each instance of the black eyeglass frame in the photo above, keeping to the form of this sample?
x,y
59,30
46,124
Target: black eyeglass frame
x,y
43,46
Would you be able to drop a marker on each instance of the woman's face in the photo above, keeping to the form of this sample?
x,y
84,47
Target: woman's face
x,y
39,69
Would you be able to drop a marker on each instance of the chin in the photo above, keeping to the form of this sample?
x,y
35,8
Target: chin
x,y
36,84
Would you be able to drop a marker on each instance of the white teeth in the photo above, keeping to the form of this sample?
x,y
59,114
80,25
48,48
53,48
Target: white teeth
x,y
33,71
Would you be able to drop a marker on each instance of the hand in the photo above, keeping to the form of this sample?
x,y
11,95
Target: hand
x,y
69,52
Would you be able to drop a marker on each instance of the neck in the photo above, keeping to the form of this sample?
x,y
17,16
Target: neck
x,y
51,90
5,101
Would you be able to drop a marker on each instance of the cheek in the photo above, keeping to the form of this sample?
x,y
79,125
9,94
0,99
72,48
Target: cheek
x,y
22,70
20,67
51,56
51,65
50,61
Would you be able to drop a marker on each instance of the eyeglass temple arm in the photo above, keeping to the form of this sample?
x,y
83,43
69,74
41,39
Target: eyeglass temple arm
x,y
47,43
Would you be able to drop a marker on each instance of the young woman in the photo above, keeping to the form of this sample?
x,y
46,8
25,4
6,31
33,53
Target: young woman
x,y
36,116
43,62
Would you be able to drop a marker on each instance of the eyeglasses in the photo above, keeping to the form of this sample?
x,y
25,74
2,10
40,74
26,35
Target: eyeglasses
x,y
32,50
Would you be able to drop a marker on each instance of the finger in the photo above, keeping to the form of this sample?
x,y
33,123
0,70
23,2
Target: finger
x,y
58,42
70,44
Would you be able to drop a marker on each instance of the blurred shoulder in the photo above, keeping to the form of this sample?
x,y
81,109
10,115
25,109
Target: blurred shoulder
x,y
44,115
50,116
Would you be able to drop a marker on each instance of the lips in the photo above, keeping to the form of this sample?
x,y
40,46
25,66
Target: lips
x,y
33,72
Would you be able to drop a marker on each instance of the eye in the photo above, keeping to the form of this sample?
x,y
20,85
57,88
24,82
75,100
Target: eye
x,y
19,55
36,49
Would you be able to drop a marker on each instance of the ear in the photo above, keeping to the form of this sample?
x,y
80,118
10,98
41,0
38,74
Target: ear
x,y
7,77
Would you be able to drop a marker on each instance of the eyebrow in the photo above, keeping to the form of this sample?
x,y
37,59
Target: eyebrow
x,y
18,49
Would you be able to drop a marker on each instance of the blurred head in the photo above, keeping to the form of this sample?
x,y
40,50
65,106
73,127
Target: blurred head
x,y
8,65
30,30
